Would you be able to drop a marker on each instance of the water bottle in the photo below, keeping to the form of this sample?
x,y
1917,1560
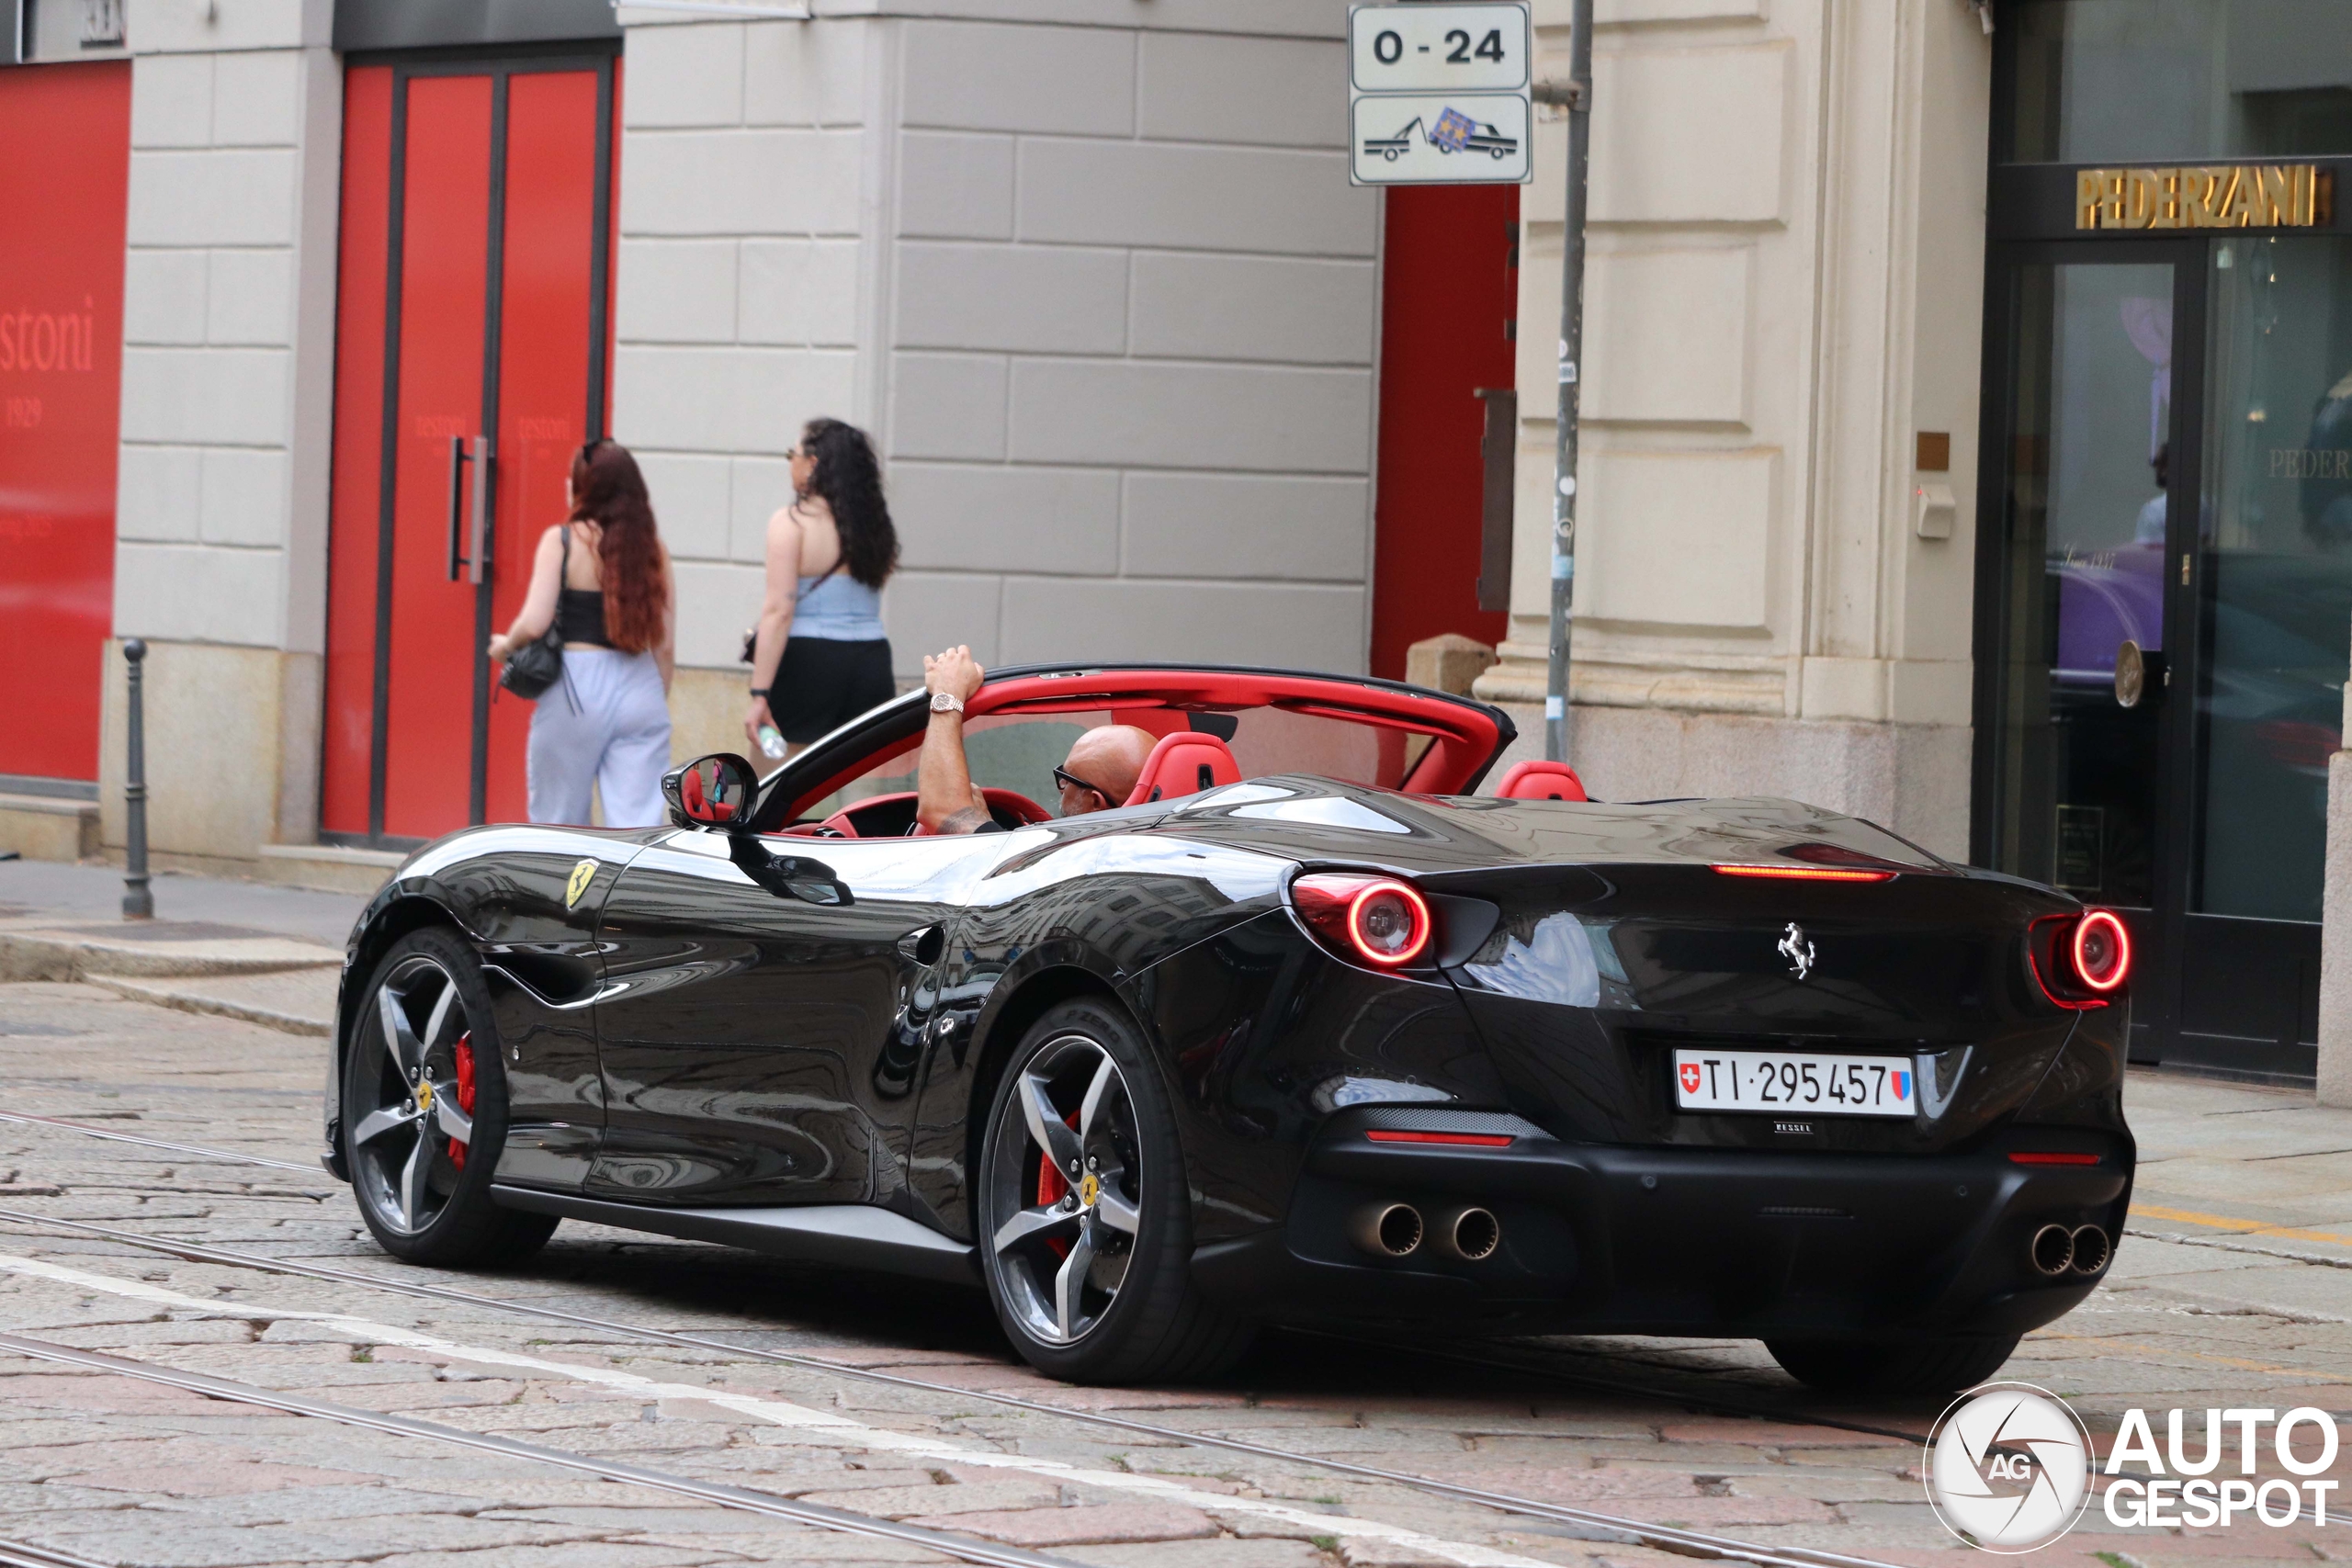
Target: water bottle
x,y
772,741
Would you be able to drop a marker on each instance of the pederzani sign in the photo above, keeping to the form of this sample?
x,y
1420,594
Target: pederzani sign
x,y
2009,1468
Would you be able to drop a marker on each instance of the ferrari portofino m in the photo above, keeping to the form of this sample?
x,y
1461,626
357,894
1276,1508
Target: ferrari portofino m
x,y
1308,1029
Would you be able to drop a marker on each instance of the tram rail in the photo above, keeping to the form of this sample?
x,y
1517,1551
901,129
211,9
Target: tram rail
x,y
1674,1538
965,1549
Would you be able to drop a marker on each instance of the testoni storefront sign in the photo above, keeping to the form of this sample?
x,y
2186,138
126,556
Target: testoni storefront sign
x,y
2219,195
1440,95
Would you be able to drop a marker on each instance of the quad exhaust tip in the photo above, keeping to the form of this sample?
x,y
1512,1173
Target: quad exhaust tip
x,y
2091,1250
1386,1230
2054,1250
1466,1234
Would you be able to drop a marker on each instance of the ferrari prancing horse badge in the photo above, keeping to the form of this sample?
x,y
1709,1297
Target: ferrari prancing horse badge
x,y
582,875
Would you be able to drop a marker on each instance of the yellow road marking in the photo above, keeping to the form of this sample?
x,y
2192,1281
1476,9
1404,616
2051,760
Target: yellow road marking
x,y
2308,1372
2246,1228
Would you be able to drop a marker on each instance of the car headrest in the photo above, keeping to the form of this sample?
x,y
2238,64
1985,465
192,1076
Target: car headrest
x,y
1184,764
1539,780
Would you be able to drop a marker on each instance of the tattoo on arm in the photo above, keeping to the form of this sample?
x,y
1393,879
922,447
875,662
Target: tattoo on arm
x,y
969,820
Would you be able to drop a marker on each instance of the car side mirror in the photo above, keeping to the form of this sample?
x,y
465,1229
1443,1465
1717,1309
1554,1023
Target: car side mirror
x,y
717,791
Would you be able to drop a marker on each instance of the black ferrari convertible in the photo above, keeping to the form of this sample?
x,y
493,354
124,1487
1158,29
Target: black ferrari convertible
x,y
1305,1029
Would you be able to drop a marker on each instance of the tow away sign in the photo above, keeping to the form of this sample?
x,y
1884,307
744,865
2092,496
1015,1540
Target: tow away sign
x,y
1440,94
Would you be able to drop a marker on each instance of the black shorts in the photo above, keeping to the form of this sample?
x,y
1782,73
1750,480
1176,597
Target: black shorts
x,y
821,684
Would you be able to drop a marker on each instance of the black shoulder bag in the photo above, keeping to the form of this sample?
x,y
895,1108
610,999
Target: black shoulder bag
x,y
539,665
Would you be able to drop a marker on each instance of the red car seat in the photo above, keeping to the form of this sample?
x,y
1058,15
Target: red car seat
x,y
1540,781
1183,764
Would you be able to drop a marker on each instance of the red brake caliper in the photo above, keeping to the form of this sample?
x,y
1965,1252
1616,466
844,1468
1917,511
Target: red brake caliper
x,y
465,1055
1052,1188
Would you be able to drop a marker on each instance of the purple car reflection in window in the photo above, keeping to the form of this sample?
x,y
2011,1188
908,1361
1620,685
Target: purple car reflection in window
x,y
2104,597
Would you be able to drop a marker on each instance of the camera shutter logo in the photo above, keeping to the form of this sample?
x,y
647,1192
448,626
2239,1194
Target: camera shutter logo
x,y
2009,1467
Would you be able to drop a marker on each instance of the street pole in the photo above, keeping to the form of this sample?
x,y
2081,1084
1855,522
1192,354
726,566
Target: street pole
x,y
1575,95
138,899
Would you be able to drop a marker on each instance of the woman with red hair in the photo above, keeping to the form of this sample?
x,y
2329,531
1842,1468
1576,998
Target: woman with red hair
x,y
601,578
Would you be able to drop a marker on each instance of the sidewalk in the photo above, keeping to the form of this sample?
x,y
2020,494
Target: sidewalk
x,y
267,955
2250,1189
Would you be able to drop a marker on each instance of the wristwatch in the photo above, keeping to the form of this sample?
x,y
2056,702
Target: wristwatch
x,y
946,702
760,693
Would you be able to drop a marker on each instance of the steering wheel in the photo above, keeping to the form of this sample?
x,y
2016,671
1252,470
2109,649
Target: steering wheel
x,y
1001,803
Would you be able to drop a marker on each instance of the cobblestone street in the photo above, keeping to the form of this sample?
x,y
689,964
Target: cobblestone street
x,y
2234,1288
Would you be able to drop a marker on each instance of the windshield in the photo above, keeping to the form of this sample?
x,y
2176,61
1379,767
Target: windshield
x,y
1019,752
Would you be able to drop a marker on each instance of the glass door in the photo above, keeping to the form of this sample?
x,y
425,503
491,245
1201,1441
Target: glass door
x,y
2271,559
2070,779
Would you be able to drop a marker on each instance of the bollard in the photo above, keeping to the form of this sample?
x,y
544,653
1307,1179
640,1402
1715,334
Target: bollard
x,y
138,899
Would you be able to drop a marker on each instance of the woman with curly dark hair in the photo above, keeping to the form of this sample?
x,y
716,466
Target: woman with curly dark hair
x,y
602,578
821,656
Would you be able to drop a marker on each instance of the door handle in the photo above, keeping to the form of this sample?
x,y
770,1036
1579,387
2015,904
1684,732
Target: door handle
x,y
457,498
482,535
475,554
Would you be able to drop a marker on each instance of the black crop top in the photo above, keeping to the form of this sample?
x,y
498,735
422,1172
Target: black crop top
x,y
580,615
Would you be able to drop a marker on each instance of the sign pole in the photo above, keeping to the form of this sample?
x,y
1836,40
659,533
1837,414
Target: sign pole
x,y
1576,95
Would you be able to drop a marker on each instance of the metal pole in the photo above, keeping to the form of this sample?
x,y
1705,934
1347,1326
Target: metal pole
x,y
138,901
1577,96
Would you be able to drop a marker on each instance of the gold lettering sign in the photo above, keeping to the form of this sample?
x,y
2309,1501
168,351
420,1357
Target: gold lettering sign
x,y
2219,195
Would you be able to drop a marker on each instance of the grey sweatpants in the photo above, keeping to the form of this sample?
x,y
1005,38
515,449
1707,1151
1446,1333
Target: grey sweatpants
x,y
609,730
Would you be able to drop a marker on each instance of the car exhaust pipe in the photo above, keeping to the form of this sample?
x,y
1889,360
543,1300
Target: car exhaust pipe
x,y
2092,1249
2053,1250
1386,1230
1464,1234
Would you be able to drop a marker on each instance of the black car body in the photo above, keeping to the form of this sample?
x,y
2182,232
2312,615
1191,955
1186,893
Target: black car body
x,y
791,1042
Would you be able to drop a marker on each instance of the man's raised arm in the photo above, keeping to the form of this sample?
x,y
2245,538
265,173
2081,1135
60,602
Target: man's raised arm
x,y
946,801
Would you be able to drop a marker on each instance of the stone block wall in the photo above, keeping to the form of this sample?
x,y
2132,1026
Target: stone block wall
x,y
227,414
1102,293
1783,286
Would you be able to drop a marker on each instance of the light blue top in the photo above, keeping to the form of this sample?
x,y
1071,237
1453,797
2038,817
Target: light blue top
x,y
838,608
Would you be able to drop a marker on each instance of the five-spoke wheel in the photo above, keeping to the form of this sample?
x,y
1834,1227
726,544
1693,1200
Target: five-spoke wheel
x,y
1068,1196
409,1148
1084,1218
424,1109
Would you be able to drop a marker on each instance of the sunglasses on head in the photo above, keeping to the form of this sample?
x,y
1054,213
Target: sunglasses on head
x,y
1071,780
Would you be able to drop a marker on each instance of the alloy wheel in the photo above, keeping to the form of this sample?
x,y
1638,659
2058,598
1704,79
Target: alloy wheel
x,y
409,1148
1067,1198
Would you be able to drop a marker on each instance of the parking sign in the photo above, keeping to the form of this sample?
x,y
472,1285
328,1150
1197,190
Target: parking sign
x,y
1440,94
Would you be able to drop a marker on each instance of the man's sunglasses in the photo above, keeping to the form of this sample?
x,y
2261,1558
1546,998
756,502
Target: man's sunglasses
x,y
1069,780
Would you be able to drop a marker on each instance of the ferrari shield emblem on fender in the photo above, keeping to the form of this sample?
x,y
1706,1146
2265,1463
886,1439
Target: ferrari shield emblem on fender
x,y
582,875
1796,950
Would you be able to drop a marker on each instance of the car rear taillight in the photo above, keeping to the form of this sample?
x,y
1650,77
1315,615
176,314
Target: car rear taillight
x,y
1803,872
1376,918
2079,961
2100,951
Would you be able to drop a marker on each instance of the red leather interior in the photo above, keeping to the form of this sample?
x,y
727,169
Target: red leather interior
x,y
1536,780
1183,764
894,807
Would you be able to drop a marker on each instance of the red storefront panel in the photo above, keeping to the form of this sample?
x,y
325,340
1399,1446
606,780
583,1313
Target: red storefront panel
x,y
65,173
470,276
1446,293
359,448
543,375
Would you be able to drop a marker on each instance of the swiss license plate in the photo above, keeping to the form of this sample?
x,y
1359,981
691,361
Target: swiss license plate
x,y
1795,1081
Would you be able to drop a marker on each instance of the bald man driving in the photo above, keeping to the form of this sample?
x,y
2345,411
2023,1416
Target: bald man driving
x,y
1100,772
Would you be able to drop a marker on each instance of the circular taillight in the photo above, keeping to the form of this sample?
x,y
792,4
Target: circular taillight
x,y
2101,951
1379,919
1388,923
